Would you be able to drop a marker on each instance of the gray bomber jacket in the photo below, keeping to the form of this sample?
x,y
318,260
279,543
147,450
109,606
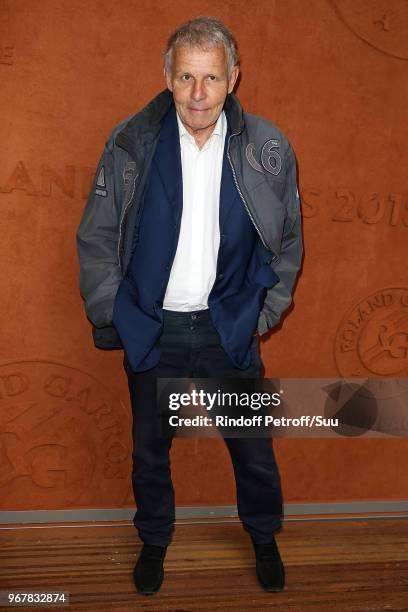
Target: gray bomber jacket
x,y
264,169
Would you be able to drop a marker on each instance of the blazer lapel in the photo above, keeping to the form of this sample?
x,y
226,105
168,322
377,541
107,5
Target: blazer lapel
x,y
228,190
167,159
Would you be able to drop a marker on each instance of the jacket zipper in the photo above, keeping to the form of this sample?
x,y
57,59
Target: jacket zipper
x,y
264,242
123,217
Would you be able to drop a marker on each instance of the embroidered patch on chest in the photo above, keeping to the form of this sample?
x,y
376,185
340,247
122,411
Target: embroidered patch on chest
x,y
269,158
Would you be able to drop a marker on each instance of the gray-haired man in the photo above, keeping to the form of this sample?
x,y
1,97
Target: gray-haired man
x,y
189,247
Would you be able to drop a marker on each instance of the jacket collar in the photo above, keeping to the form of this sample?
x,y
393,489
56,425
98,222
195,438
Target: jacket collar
x,y
234,113
144,127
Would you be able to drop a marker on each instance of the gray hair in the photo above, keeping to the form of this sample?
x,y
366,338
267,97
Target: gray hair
x,y
206,33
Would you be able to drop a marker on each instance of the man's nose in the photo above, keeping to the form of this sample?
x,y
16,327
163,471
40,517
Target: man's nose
x,y
198,92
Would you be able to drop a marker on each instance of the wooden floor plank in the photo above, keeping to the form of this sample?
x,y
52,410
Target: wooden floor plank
x,y
344,566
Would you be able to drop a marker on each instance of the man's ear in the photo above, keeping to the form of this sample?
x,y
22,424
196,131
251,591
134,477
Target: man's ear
x,y
169,83
233,78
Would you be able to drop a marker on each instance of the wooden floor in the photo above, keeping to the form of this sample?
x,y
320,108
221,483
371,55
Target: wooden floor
x,y
330,566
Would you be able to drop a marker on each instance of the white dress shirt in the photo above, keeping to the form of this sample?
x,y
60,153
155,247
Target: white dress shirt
x,y
194,267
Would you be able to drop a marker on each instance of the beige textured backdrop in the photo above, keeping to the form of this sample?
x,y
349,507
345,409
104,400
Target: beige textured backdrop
x,y
333,76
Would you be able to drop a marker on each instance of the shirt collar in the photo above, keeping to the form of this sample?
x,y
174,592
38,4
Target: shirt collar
x,y
219,129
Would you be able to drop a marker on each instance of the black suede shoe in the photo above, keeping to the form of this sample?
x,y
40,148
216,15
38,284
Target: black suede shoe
x,y
148,573
269,566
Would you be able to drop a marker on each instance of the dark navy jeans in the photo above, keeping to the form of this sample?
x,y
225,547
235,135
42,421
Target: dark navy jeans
x,y
190,348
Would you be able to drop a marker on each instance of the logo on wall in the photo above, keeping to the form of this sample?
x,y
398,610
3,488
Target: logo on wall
x,y
372,339
348,206
379,23
65,438
7,55
71,181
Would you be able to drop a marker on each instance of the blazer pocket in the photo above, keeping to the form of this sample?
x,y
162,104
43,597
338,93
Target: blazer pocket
x,y
266,276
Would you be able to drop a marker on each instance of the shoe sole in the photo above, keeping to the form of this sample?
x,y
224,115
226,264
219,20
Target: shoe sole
x,y
277,590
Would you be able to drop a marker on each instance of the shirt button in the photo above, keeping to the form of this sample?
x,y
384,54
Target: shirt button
x,y
194,316
220,276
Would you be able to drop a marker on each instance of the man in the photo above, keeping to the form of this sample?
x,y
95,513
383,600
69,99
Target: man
x,y
189,246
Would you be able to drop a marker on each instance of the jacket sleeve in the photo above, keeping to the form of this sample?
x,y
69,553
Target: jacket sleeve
x,y
279,297
97,246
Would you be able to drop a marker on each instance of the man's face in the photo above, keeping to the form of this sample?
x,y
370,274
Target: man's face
x,y
199,82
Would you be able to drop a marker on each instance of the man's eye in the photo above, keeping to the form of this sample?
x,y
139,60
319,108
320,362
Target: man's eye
x,y
185,77
212,77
